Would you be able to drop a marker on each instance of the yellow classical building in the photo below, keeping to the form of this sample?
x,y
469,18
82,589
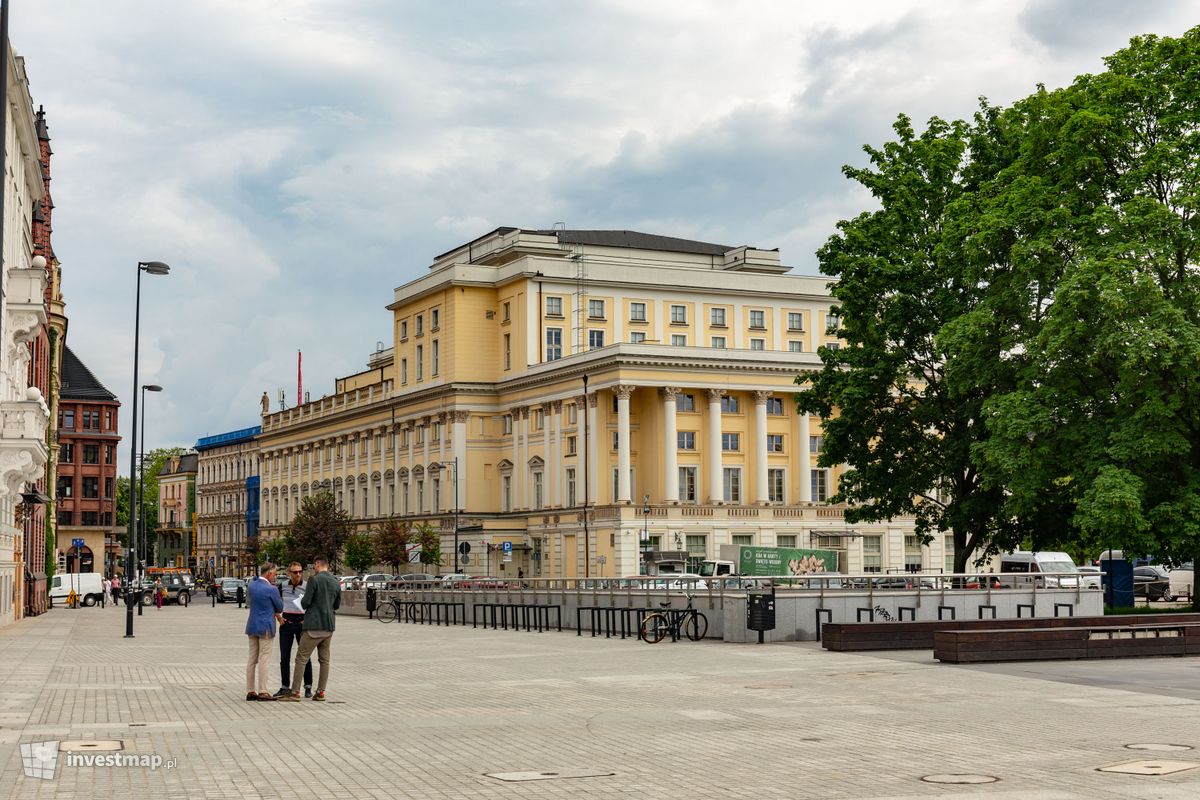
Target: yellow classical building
x,y
536,373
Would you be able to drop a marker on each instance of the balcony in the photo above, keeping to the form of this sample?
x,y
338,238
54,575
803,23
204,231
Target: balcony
x,y
22,441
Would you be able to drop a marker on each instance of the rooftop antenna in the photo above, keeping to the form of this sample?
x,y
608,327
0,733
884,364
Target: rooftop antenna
x,y
579,323
282,400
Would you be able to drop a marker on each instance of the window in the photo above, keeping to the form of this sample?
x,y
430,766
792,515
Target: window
x,y
833,321
67,419
795,321
91,454
420,496
795,347
570,486
420,361
571,445
833,346
108,420
678,340
912,554
404,491
595,309
743,538
774,406
434,357
774,443
91,518
66,454
507,349
403,370
108,487
616,440
685,402
716,317
66,518
435,319
637,337
539,419
679,315
573,413
554,307
506,424
948,553
686,440
65,488
697,551
506,314
733,484
785,540
758,344
718,342
403,329
872,553
420,324
758,320
420,436
687,484
637,312
437,432
537,491
815,443
775,485
731,442
595,338
729,405
506,492
820,480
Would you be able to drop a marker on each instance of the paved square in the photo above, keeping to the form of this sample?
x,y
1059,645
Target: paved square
x,y
426,712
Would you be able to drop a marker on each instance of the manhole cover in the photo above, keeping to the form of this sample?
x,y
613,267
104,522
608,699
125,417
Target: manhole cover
x,y
91,745
1159,747
769,686
513,777
960,778
1150,767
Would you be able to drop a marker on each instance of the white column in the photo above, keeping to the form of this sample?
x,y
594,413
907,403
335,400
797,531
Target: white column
x,y
623,448
553,459
713,446
370,442
427,500
670,446
349,472
459,447
443,484
411,494
593,446
288,478
805,461
760,451
516,459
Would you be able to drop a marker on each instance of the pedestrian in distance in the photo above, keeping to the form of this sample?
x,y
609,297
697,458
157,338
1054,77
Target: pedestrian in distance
x,y
158,593
115,585
291,630
265,610
322,599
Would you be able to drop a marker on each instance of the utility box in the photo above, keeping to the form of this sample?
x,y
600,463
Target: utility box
x,y
760,612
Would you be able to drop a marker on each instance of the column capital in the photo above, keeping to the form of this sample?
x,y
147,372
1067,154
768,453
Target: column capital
x,y
670,392
443,417
524,412
623,390
761,397
460,416
426,420
715,395
556,406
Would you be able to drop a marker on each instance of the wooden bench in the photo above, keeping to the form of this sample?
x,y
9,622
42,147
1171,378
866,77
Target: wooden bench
x,y
854,636
1039,644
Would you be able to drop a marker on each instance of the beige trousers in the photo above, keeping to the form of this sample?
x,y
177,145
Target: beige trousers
x,y
304,653
260,661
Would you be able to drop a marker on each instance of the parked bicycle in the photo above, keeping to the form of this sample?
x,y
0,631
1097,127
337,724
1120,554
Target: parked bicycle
x,y
674,622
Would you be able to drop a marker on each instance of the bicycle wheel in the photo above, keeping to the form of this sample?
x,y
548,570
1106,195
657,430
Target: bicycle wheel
x,y
414,613
696,627
386,612
654,628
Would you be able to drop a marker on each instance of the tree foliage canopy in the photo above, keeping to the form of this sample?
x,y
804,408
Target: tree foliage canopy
x,y
1021,319
391,542
319,529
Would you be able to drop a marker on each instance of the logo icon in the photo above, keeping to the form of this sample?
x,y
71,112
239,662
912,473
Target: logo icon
x,y
39,759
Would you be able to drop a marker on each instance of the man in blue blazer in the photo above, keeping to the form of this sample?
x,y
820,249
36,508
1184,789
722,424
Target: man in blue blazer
x,y
265,610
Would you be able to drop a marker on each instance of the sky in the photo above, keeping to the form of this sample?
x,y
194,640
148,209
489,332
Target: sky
x,y
296,160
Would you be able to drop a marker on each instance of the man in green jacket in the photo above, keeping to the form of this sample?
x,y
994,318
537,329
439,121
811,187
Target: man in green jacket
x,y
322,598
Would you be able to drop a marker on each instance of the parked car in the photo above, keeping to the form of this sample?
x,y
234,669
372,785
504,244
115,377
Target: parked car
x,y
1152,581
177,590
88,587
228,589
413,579
1183,580
1024,568
376,580
454,578
349,581
1092,577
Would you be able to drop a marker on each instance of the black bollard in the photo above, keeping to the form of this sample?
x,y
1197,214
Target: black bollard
x,y
241,596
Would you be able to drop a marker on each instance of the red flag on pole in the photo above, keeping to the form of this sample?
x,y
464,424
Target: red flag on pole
x,y
299,378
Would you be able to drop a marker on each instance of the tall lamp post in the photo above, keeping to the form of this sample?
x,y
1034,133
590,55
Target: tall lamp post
x,y
587,479
153,268
141,503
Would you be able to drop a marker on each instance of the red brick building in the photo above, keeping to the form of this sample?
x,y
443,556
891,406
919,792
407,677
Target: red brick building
x,y
86,485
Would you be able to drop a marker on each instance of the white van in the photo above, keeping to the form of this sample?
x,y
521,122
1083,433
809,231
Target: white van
x,y
1183,580
1018,569
88,585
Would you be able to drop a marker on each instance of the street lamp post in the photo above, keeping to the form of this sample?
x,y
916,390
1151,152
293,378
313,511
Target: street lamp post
x,y
141,502
587,478
153,268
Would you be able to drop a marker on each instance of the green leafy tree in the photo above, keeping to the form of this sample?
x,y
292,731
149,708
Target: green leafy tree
x,y
278,550
900,407
319,529
431,543
1103,431
150,468
391,542
360,552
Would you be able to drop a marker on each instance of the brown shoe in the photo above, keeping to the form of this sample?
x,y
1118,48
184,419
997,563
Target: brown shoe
x,y
266,697
319,697
290,697
251,696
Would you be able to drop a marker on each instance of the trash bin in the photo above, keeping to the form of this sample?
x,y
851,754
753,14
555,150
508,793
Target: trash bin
x,y
371,603
760,612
